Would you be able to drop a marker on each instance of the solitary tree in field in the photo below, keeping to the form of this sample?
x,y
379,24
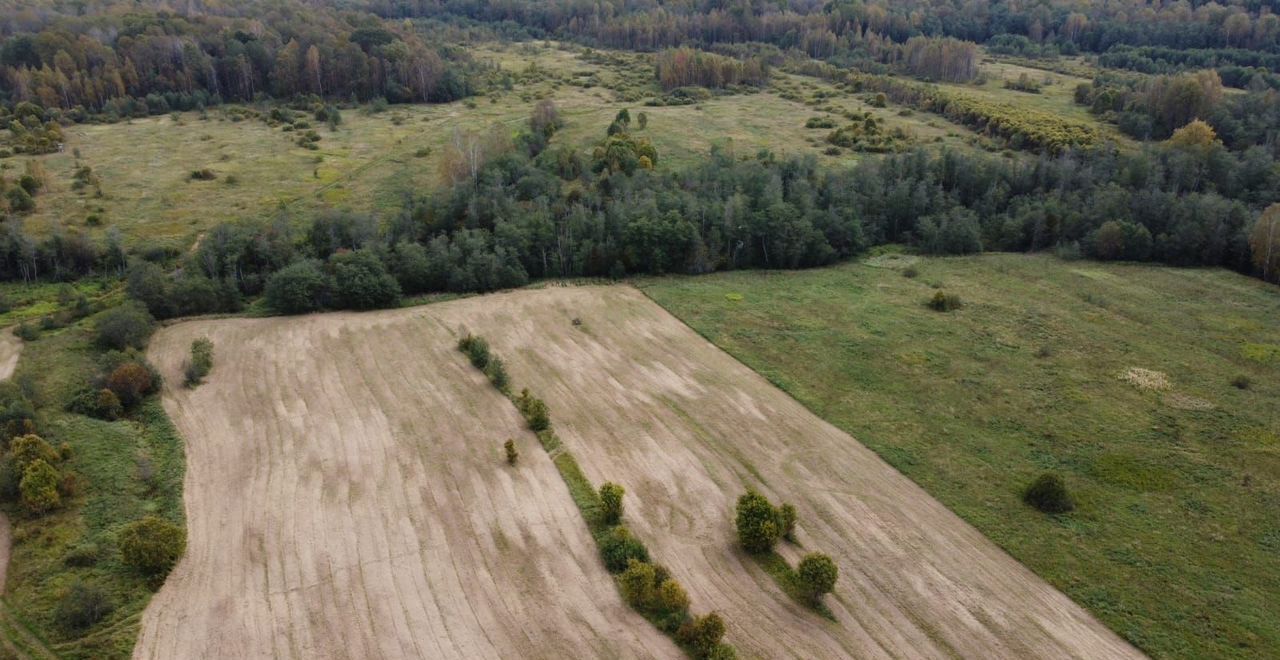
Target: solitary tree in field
x,y
818,574
513,454
611,501
757,523
152,545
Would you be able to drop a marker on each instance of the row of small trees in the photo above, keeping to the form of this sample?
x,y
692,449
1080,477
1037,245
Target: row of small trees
x,y
646,585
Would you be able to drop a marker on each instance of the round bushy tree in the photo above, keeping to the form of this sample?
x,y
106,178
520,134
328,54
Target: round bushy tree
x,y
130,382
361,281
126,326
618,547
1048,493
611,502
757,523
27,449
297,288
817,574
39,487
702,634
152,545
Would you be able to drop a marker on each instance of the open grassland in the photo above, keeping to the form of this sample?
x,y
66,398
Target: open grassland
x,y
373,161
1174,540
347,498
641,400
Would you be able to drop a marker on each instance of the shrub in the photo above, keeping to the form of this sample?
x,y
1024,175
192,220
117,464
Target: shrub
x,y
27,449
672,600
39,487
817,574
477,350
757,523
201,362
100,403
126,326
618,547
513,454
204,174
297,288
27,332
85,554
1048,493
534,410
497,373
81,606
639,585
787,517
611,502
130,382
1241,382
944,302
362,281
910,272
702,634
152,545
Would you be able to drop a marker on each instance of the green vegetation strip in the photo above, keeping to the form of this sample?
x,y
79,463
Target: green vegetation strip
x,y
70,591
646,586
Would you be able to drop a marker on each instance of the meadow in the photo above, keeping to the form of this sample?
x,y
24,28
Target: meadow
x,y
1175,469
376,158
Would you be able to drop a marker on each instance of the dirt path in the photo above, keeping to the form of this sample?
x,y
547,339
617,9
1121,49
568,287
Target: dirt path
x,y
643,400
10,351
346,497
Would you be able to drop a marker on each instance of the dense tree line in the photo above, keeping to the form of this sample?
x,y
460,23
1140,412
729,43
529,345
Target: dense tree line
x,y
1153,107
521,218
1237,67
139,60
825,29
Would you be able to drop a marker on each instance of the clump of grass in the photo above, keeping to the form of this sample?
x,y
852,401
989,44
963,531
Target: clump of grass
x,y
944,302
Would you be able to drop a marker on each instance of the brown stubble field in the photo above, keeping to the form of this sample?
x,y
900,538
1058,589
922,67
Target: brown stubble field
x,y
356,440
346,498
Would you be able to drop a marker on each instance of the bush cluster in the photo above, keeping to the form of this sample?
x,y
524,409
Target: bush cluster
x,y
944,302
200,363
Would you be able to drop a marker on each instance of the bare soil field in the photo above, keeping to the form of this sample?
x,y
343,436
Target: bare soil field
x,y
346,497
644,401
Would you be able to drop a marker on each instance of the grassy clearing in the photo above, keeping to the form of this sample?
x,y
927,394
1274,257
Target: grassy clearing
x,y
126,470
372,161
1175,535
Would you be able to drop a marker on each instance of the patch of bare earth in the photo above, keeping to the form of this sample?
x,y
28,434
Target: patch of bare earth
x,y
642,400
346,497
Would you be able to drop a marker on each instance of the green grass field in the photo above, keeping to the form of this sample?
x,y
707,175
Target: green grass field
x,y
1174,540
